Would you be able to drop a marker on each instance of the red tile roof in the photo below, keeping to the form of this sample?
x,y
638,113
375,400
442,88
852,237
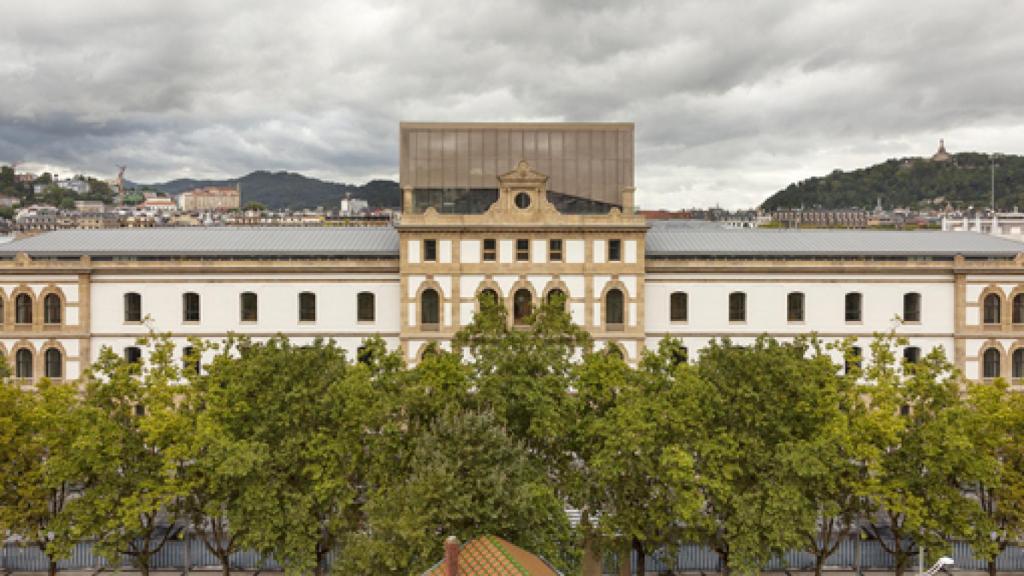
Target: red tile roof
x,y
493,556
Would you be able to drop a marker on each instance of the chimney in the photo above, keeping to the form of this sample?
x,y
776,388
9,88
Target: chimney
x,y
451,556
627,198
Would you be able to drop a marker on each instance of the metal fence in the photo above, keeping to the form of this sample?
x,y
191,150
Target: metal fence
x,y
192,554
851,554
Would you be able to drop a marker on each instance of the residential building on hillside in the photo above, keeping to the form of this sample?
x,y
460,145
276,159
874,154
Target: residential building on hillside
x,y
821,218
211,198
67,294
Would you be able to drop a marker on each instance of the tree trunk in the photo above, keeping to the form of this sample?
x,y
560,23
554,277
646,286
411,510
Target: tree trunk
x,y
52,569
901,565
225,564
992,568
625,566
591,562
143,566
641,560
819,564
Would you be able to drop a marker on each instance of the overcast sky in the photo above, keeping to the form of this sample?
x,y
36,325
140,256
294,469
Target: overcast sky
x,y
732,100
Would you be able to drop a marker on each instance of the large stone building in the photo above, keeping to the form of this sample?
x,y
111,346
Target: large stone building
x,y
211,199
481,214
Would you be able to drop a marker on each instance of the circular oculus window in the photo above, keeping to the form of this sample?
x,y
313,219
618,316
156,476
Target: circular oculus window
x,y
522,200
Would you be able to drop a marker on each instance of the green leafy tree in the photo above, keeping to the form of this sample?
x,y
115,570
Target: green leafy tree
x,y
634,468
292,421
996,427
127,424
37,433
923,453
763,416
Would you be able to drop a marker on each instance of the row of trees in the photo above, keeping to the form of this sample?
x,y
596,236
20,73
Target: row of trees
x,y
299,451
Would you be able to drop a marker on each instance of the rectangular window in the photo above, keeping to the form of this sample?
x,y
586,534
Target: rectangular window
x,y
795,307
490,250
307,307
555,250
853,307
247,304
737,307
430,250
190,307
678,307
614,250
365,307
522,250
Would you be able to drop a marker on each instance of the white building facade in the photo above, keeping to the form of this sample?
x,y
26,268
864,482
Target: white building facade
x,y
68,294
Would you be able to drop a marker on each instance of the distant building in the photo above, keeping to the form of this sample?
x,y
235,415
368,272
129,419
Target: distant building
x,y
821,218
353,206
942,155
158,204
76,185
96,220
8,201
211,198
89,206
1004,224
37,218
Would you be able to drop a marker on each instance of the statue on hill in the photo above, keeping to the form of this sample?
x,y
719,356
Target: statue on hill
x,y
942,155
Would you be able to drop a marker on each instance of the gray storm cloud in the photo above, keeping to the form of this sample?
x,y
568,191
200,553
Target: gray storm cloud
x,y
732,100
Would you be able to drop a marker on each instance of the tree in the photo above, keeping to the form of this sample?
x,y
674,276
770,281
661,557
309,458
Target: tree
x,y
127,426
921,452
996,427
37,433
464,476
763,416
293,420
634,474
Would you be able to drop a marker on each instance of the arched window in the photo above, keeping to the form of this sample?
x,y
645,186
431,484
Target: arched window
x,y
795,307
190,307
23,363
487,295
51,309
854,311
555,295
614,350
54,363
912,354
992,312
990,363
132,307
248,304
737,307
133,354
911,307
23,309
430,309
522,306
1018,363
307,307
366,308
1018,309
678,307
614,309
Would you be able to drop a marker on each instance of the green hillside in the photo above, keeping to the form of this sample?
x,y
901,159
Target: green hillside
x,y
911,182
277,190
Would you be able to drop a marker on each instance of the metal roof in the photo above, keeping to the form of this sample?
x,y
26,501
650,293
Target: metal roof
x,y
663,240
679,241
187,242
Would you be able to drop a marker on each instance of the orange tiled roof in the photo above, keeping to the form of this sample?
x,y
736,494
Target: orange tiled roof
x,y
492,556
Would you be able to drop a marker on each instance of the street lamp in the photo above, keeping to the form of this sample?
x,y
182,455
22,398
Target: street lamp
x,y
942,563
992,159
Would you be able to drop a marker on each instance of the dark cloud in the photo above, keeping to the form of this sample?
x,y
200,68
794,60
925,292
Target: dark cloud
x,y
732,100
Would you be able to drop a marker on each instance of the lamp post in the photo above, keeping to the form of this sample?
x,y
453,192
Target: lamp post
x,y
992,159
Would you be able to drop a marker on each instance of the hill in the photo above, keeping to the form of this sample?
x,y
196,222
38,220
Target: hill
x,y
278,190
911,182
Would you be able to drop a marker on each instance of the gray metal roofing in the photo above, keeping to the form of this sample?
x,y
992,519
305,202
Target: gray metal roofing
x,y
203,241
662,241
673,241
